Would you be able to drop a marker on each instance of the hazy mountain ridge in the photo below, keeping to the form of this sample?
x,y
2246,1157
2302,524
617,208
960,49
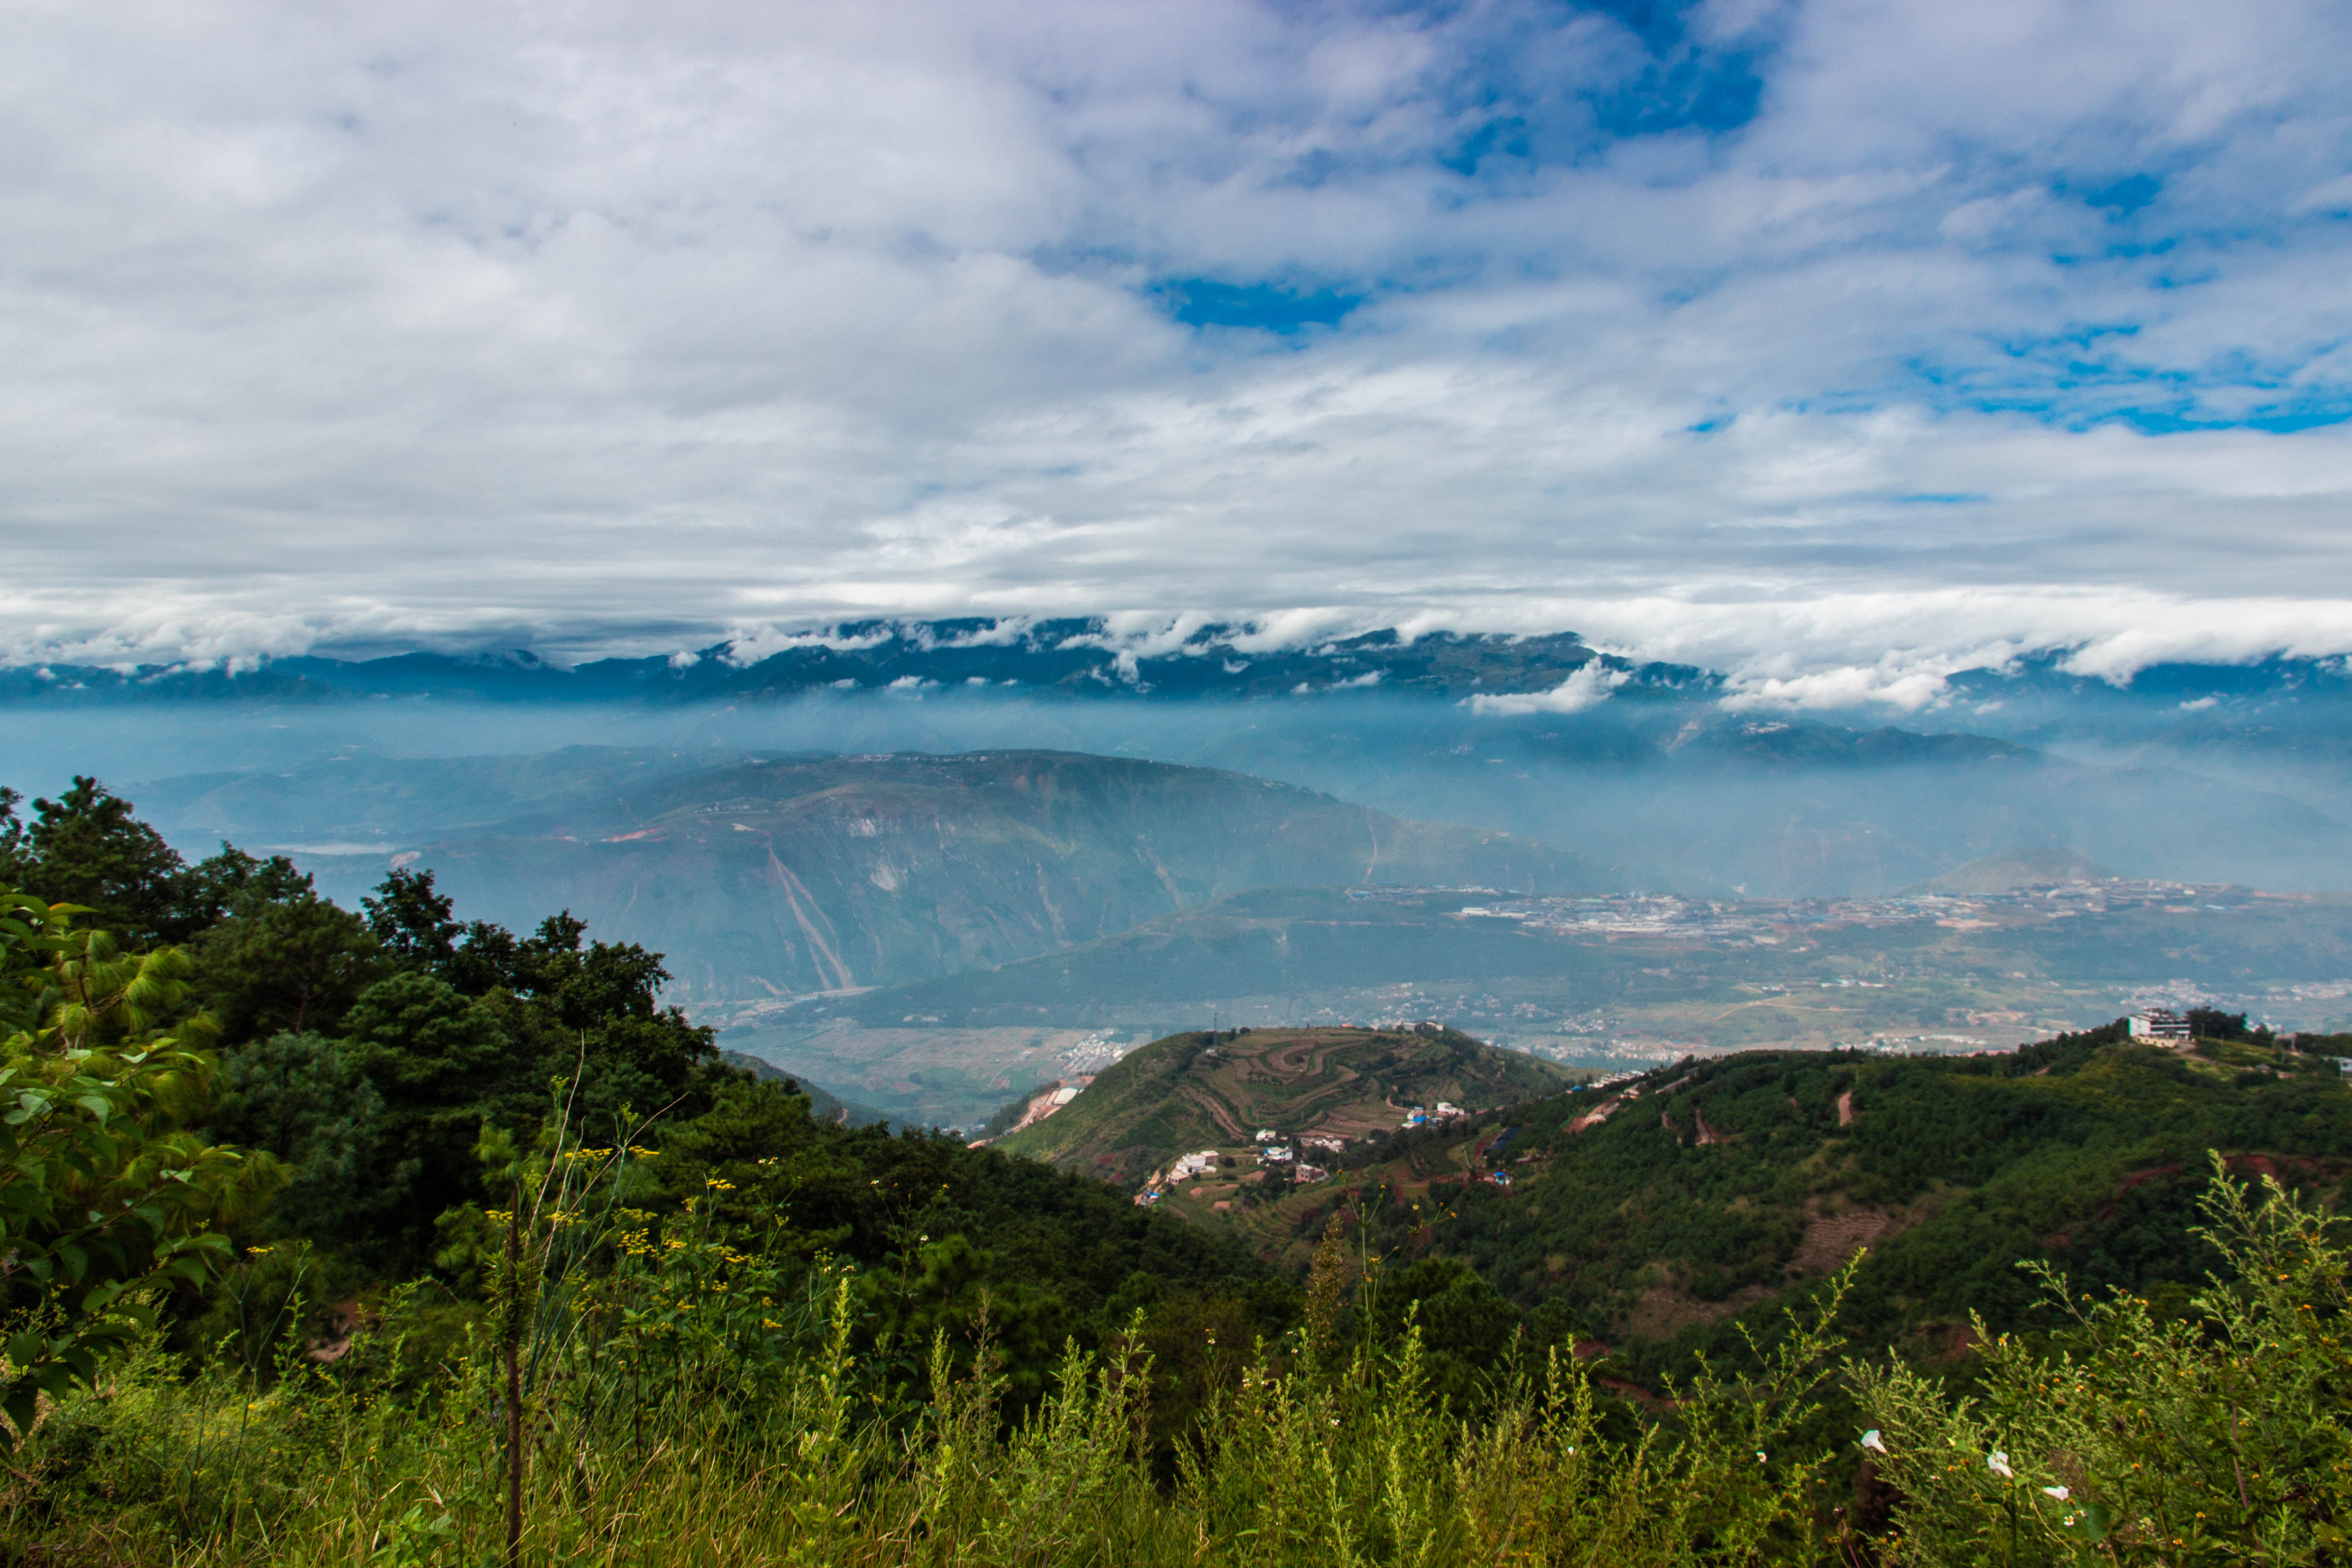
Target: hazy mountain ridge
x,y
1682,796
1734,805
791,875
2016,869
1269,942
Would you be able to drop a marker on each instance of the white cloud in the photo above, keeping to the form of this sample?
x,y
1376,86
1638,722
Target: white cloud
x,y
625,327
1589,687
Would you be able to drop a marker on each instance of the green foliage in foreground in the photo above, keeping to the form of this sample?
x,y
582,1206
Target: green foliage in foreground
x,y
680,1410
104,1194
2222,1436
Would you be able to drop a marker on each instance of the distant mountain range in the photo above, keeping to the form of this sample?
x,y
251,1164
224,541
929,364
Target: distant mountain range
x,y
1073,657
824,1105
2036,698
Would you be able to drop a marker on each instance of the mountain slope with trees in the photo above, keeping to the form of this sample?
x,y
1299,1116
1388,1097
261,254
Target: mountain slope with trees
x,y
1656,1210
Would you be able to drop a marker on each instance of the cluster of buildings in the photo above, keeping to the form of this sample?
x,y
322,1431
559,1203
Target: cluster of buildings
x,y
1647,914
1274,1154
1425,1116
1187,1167
1096,1052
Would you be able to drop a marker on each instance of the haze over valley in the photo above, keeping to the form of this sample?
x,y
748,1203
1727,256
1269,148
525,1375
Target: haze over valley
x,y
860,865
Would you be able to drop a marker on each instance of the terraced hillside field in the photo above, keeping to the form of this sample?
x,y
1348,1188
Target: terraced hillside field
x,y
1201,1090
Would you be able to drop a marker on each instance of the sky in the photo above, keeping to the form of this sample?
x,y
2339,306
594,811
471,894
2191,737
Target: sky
x,y
1835,345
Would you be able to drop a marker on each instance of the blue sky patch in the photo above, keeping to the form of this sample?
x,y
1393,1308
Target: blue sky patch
x,y
1698,92
1256,307
2082,378
2126,196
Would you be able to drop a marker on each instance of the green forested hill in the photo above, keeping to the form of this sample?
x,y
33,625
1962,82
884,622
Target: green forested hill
x,y
1657,1209
1201,1090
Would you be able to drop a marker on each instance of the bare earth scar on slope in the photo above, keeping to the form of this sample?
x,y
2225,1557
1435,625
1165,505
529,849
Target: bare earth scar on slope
x,y
1832,1236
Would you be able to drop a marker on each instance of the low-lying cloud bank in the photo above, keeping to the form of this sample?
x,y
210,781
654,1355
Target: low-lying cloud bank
x,y
1895,651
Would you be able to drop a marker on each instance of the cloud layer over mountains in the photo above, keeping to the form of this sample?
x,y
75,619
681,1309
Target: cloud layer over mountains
x,y
1824,342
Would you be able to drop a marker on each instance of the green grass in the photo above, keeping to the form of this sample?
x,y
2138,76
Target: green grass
x,y
684,1406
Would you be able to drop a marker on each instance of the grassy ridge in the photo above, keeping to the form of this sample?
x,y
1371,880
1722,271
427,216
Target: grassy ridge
x,y
747,1430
